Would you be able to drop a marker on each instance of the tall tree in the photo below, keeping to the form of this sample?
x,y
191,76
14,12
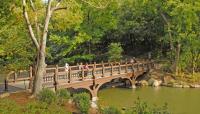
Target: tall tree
x,y
38,36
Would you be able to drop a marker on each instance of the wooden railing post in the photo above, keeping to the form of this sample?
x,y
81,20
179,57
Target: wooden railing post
x,y
31,77
103,69
119,68
126,67
111,69
70,75
56,78
138,67
15,76
93,71
142,66
6,84
82,73
132,66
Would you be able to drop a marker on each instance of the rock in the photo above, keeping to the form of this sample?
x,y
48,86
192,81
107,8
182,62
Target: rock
x,y
195,86
4,95
143,83
133,87
169,85
177,86
94,104
163,84
156,83
168,79
186,86
151,81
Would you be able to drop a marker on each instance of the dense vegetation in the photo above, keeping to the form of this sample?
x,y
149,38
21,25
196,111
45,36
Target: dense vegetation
x,y
83,32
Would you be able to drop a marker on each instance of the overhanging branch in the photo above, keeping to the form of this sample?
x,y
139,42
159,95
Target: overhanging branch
x,y
33,38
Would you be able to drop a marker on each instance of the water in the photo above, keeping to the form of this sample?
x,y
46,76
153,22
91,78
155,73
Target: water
x,y
180,100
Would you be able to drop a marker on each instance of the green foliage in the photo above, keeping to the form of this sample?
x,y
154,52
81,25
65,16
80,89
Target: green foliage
x,y
82,101
16,51
142,107
47,96
84,31
63,96
43,108
115,52
9,107
110,110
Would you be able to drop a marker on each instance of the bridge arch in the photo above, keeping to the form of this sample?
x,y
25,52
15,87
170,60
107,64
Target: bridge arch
x,y
94,89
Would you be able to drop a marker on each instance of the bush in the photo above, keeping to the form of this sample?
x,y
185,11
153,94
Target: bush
x,y
142,107
47,96
63,95
82,101
110,110
44,108
9,107
115,52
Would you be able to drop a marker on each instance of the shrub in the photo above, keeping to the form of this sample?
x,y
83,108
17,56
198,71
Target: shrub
x,y
82,101
142,107
47,96
115,52
111,110
63,95
9,107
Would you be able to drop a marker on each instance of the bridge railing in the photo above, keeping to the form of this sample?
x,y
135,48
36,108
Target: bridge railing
x,y
58,75
96,71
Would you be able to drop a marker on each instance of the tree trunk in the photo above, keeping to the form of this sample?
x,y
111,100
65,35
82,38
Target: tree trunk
x,y
41,65
177,58
40,71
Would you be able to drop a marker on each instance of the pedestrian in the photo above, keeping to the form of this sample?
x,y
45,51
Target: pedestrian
x,y
80,66
86,69
66,67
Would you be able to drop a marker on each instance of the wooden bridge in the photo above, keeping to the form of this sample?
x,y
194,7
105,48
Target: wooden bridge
x,y
91,79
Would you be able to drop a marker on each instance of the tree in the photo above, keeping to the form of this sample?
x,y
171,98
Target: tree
x,y
115,52
38,37
15,49
184,25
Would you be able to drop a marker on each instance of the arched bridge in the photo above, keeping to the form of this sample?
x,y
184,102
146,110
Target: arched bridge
x,y
91,79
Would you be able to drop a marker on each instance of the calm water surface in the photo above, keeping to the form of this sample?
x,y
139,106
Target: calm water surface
x,y
180,100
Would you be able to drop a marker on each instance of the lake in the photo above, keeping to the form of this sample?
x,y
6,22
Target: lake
x,y
179,100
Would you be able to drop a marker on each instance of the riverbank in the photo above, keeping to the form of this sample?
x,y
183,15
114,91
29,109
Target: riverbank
x,y
157,78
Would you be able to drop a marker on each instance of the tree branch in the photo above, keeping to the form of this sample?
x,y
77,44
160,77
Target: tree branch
x,y
57,5
99,7
32,5
164,18
36,20
33,38
46,24
61,8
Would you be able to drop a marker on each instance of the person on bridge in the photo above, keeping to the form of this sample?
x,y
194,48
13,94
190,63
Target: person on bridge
x,y
66,67
133,60
80,66
86,69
